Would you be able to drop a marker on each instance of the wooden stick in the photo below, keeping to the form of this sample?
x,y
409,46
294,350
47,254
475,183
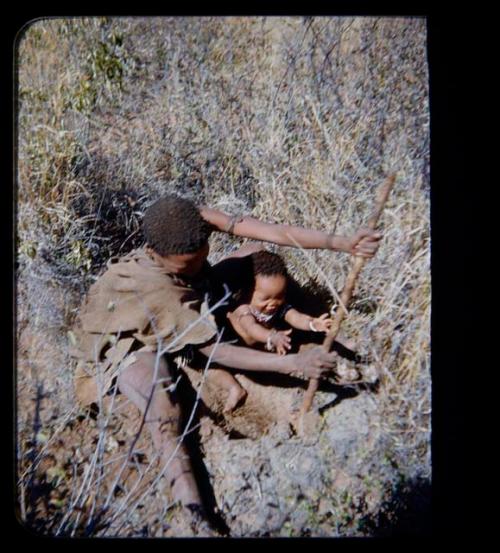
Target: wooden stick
x,y
357,265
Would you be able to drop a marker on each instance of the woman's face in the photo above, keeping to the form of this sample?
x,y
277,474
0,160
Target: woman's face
x,y
187,264
269,293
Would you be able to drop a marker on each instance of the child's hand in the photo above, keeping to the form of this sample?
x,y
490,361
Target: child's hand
x,y
321,324
281,341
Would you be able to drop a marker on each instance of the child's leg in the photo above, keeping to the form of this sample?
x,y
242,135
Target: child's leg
x,y
225,380
163,421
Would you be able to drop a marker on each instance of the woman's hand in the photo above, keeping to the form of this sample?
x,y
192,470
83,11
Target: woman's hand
x,y
364,243
312,363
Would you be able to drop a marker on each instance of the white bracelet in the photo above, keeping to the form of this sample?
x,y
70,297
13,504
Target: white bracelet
x,y
312,327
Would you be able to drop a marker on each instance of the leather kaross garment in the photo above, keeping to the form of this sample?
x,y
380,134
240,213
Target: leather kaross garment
x,y
136,305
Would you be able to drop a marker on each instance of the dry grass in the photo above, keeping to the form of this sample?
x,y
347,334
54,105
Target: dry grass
x,y
294,120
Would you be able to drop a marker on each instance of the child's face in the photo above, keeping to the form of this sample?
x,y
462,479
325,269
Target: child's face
x,y
269,293
187,264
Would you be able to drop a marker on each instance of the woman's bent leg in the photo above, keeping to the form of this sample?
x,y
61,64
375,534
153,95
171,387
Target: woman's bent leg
x,y
163,421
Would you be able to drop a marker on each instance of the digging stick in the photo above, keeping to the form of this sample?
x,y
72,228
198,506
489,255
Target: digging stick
x,y
357,265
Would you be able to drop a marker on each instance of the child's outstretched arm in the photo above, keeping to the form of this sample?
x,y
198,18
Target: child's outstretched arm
x,y
279,340
301,321
363,243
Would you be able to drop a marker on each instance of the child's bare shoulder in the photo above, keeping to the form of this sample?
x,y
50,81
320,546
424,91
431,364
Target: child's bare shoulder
x,y
242,309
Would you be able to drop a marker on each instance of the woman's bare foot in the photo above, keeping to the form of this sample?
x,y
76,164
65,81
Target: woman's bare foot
x,y
237,396
189,521
185,490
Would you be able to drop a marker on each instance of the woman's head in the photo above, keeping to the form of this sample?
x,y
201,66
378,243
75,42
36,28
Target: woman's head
x,y
270,282
177,233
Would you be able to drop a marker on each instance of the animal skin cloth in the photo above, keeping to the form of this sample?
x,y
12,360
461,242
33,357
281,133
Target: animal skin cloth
x,y
136,305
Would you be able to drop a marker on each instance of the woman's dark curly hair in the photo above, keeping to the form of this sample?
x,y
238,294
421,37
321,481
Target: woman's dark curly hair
x,y
268,264
174,225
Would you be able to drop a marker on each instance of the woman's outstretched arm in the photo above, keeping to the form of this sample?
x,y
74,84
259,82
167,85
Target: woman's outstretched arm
x,y
313,363
363,243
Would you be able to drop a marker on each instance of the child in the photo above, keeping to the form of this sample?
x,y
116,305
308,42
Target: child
x,y
255,321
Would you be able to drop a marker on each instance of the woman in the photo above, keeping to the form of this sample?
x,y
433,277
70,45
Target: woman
x,y
156,303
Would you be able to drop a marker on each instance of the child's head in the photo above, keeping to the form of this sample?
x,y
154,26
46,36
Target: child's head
x,y
270,282
177,233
